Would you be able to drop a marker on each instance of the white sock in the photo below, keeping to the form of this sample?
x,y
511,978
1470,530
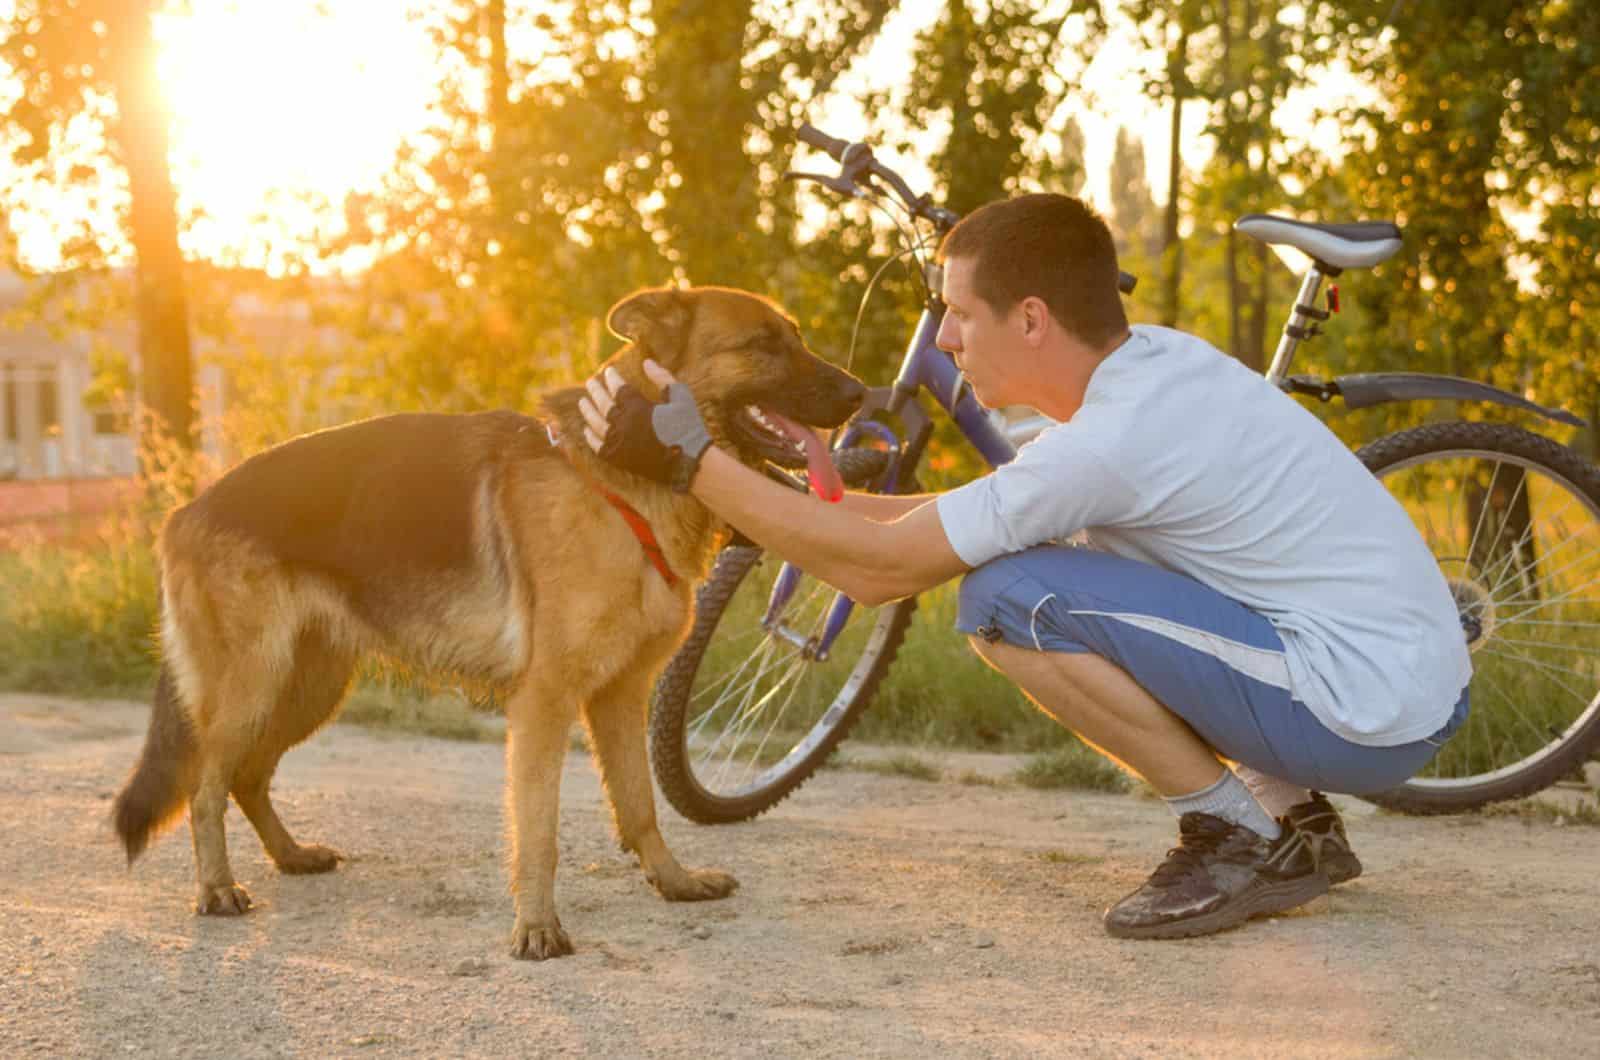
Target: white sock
x,y
1230,800
1274,795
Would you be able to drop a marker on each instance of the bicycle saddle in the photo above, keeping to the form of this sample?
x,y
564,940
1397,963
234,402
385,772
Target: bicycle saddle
x,y
1355,245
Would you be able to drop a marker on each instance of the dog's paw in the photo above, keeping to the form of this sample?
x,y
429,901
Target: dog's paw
x,y
698,885
227,900
537,942
311,858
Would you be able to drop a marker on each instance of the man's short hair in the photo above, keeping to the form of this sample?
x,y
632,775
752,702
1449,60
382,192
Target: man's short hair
x,y
1046,245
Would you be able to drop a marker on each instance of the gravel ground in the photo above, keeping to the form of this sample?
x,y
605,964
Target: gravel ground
x,y
878,916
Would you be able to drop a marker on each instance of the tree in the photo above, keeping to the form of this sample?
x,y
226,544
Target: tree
x,y
95,60
995,76
1133,208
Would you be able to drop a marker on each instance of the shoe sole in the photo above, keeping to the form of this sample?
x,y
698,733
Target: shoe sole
x,y
1342,868
1262,901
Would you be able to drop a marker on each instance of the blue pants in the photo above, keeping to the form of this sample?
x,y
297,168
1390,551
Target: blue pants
x,y
1206,657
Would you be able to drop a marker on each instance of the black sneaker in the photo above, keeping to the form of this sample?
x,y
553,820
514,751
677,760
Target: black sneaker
x,y
1324,831
1218,876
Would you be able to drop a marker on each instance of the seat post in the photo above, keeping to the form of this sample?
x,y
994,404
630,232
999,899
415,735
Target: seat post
x,y
1297,327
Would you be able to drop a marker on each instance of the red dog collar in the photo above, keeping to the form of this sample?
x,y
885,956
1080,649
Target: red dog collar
x,y
630,515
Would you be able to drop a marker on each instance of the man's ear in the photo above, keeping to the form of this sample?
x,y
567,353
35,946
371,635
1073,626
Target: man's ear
x,y
1035,317
657,319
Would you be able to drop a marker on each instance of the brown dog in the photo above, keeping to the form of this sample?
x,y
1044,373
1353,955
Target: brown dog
x,y
481,545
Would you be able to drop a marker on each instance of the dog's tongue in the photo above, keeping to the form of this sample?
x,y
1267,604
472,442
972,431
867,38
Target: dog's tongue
x,y
825,480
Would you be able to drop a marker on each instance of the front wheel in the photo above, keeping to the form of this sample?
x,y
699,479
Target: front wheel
x,y
747,711
1513,519
767,684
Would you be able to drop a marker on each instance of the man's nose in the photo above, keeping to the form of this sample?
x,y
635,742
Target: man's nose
x,y
946,338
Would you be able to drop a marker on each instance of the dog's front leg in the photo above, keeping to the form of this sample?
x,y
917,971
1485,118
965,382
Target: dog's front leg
x,y
540,718
616,720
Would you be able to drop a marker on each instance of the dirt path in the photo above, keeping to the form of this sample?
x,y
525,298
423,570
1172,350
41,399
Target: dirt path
x,y
879,916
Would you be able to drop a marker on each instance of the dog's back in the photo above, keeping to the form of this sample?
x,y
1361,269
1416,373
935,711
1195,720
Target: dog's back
x,y
383,498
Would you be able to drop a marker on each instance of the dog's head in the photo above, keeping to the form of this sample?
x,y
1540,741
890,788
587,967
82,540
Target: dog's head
x,y
751,373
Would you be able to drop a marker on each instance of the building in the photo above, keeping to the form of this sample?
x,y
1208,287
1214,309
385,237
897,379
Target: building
x,y
55,426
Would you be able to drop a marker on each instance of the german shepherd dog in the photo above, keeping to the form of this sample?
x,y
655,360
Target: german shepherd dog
x,y
491,546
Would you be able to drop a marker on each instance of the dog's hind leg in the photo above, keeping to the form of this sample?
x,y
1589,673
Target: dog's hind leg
x,y
245,697
615,716
540,714
309,699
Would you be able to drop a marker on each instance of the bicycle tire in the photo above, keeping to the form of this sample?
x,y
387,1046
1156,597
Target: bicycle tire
x,y
673,706
1472,769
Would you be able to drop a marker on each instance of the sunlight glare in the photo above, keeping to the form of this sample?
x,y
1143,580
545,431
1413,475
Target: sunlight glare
x,y
295,97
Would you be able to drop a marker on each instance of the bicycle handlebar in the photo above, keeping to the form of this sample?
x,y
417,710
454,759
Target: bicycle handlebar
x,y
810,134
856,161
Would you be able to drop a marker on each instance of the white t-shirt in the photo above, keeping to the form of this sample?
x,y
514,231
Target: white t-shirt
x,y
1183,458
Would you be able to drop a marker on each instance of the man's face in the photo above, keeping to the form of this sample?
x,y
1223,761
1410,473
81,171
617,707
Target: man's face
x,y
985,346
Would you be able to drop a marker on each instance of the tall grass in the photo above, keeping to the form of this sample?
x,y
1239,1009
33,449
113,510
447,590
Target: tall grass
x,y
79,620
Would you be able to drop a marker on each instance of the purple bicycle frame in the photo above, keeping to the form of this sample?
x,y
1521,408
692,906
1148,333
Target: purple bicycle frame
x,y
924,367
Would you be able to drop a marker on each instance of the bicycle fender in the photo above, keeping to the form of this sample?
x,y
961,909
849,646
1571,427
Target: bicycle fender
x,y
1364,389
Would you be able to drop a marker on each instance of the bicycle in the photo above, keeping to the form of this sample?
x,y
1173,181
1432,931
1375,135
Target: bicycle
x,y
778,667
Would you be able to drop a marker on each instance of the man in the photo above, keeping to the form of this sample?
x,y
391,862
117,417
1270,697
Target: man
x,y
1251,594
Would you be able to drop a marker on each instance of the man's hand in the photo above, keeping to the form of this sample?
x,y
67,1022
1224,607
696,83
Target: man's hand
x,y
661,442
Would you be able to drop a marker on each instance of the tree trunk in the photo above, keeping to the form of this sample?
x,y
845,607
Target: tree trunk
x,y
1172,248
1230,141
494,13
167,373
1254,354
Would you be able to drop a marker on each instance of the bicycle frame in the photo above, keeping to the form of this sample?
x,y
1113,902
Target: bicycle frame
x,y
924,367
1364,389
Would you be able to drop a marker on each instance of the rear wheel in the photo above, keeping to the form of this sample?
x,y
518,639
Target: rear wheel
x,y
1514,522
749,708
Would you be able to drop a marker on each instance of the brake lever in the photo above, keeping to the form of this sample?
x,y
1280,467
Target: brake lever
x,y
838,184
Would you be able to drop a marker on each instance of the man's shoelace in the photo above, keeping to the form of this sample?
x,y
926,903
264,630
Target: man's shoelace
x,y
1186,857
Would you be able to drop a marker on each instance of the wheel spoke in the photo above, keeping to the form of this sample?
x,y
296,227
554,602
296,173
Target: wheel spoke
x,y
1549,668
1541,737
1531,560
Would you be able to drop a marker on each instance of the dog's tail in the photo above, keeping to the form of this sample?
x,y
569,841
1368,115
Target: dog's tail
x,y
155,792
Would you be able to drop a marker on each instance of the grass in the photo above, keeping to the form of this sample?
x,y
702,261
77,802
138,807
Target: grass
x,y
79,621
1586,814
380,702
1073,766
1066,857
897,765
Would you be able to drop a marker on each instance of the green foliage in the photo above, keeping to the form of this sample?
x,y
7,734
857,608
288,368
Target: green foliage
x,y
79,622
1073,766
1481,146
898,765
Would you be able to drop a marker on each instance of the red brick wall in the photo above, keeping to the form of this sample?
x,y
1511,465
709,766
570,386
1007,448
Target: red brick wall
x,y
56,508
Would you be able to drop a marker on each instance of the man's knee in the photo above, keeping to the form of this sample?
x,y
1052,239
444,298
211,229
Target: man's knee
x,y
988,594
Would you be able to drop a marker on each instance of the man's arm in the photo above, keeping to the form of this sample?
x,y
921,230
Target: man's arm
x,y
872,562
884,507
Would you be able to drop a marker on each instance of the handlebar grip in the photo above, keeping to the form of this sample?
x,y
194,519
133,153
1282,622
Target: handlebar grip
x,y
810,134
1126,282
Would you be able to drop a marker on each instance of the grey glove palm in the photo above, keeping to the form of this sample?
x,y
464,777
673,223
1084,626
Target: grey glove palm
x,y
662,442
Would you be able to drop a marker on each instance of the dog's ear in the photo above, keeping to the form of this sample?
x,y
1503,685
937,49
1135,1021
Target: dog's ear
x,y
656,318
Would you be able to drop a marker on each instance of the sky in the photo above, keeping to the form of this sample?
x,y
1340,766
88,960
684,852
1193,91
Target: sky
x,y
254,139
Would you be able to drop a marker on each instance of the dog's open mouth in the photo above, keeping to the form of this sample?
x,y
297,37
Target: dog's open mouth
x,y
791,444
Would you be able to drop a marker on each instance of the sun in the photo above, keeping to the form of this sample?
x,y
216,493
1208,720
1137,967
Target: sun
x,y
279,103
